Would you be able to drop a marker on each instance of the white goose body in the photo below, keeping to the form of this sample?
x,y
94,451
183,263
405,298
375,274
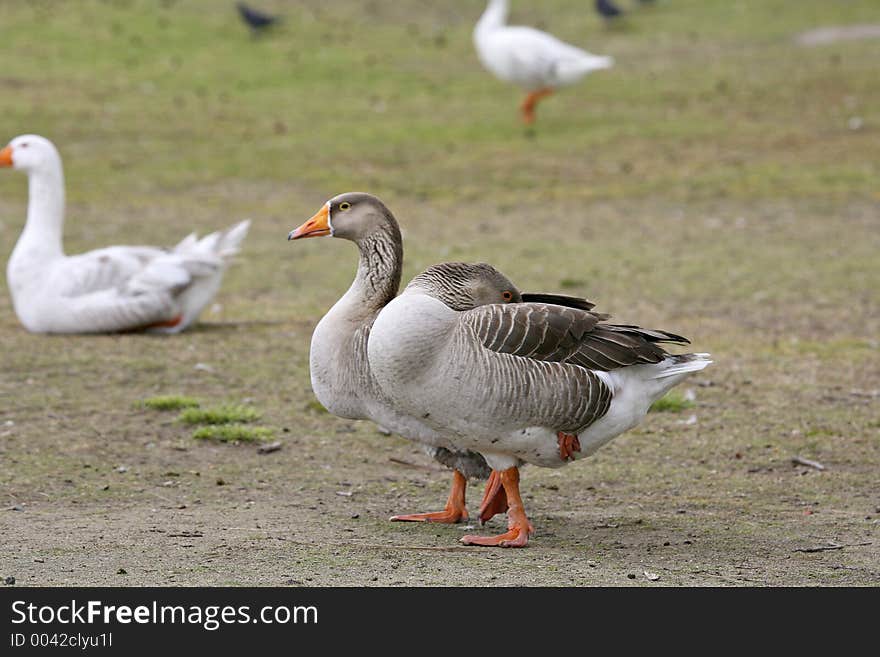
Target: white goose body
x,y
527,57
119,288
433,360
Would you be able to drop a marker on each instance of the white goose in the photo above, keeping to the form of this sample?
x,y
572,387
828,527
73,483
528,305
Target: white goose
x,y
520,382
534,60
338,366
120,288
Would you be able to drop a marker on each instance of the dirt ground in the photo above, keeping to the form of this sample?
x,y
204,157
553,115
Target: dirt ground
x,y
100,491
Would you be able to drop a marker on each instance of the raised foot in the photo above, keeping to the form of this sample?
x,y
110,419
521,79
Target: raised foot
x,y
494,499
568,445
448,516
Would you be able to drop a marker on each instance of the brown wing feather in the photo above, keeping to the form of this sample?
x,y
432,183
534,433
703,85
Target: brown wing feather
x,y
532,330
610,346
555,333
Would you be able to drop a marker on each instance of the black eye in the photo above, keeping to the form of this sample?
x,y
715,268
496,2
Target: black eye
x,y
507,295
24,145
345,205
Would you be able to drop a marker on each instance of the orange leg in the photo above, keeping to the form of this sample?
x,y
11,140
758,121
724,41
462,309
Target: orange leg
x,y
528,105
518,525
494,499
568,445
455,510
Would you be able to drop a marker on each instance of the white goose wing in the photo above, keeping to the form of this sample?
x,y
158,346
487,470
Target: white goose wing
x,y
533,58
118,289
128,288
112,311
101,269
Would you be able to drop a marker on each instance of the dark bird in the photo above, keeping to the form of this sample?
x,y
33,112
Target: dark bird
x,y
608,10
257,20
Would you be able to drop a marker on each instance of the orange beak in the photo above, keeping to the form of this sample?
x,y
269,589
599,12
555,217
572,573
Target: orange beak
x,y
6,157
317,226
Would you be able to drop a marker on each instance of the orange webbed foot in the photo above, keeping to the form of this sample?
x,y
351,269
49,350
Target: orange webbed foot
x,y
513,537
455,510
447,516
518,525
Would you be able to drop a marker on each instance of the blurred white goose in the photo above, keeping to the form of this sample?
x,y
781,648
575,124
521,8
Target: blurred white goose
x,y
534,60
120,288
519,383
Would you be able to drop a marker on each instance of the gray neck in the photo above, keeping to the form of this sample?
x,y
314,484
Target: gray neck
x,y
379,269
495,16
45,217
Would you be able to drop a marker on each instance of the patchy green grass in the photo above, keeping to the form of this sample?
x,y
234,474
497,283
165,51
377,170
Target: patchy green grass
x,y
228,414
170,403
233,433
673,402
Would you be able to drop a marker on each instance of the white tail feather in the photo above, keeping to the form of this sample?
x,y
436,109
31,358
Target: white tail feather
x,y
219,243
186,243
204,260
694,363
232,238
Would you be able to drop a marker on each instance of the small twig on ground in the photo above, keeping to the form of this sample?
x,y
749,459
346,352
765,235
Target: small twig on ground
x,y
800,460
870,394
268,449
830,546
417,466
163,498
430,548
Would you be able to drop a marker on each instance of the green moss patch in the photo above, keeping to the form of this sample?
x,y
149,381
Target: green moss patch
x,y
170,403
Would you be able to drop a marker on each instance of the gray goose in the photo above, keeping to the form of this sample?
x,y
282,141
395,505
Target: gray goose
x,y
339,369
530,382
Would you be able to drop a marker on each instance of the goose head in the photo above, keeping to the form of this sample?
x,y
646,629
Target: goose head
x,y
30,153
351,216
465,286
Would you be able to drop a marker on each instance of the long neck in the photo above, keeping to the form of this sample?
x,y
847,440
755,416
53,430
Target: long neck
x,y
379,270
45,218
495,16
